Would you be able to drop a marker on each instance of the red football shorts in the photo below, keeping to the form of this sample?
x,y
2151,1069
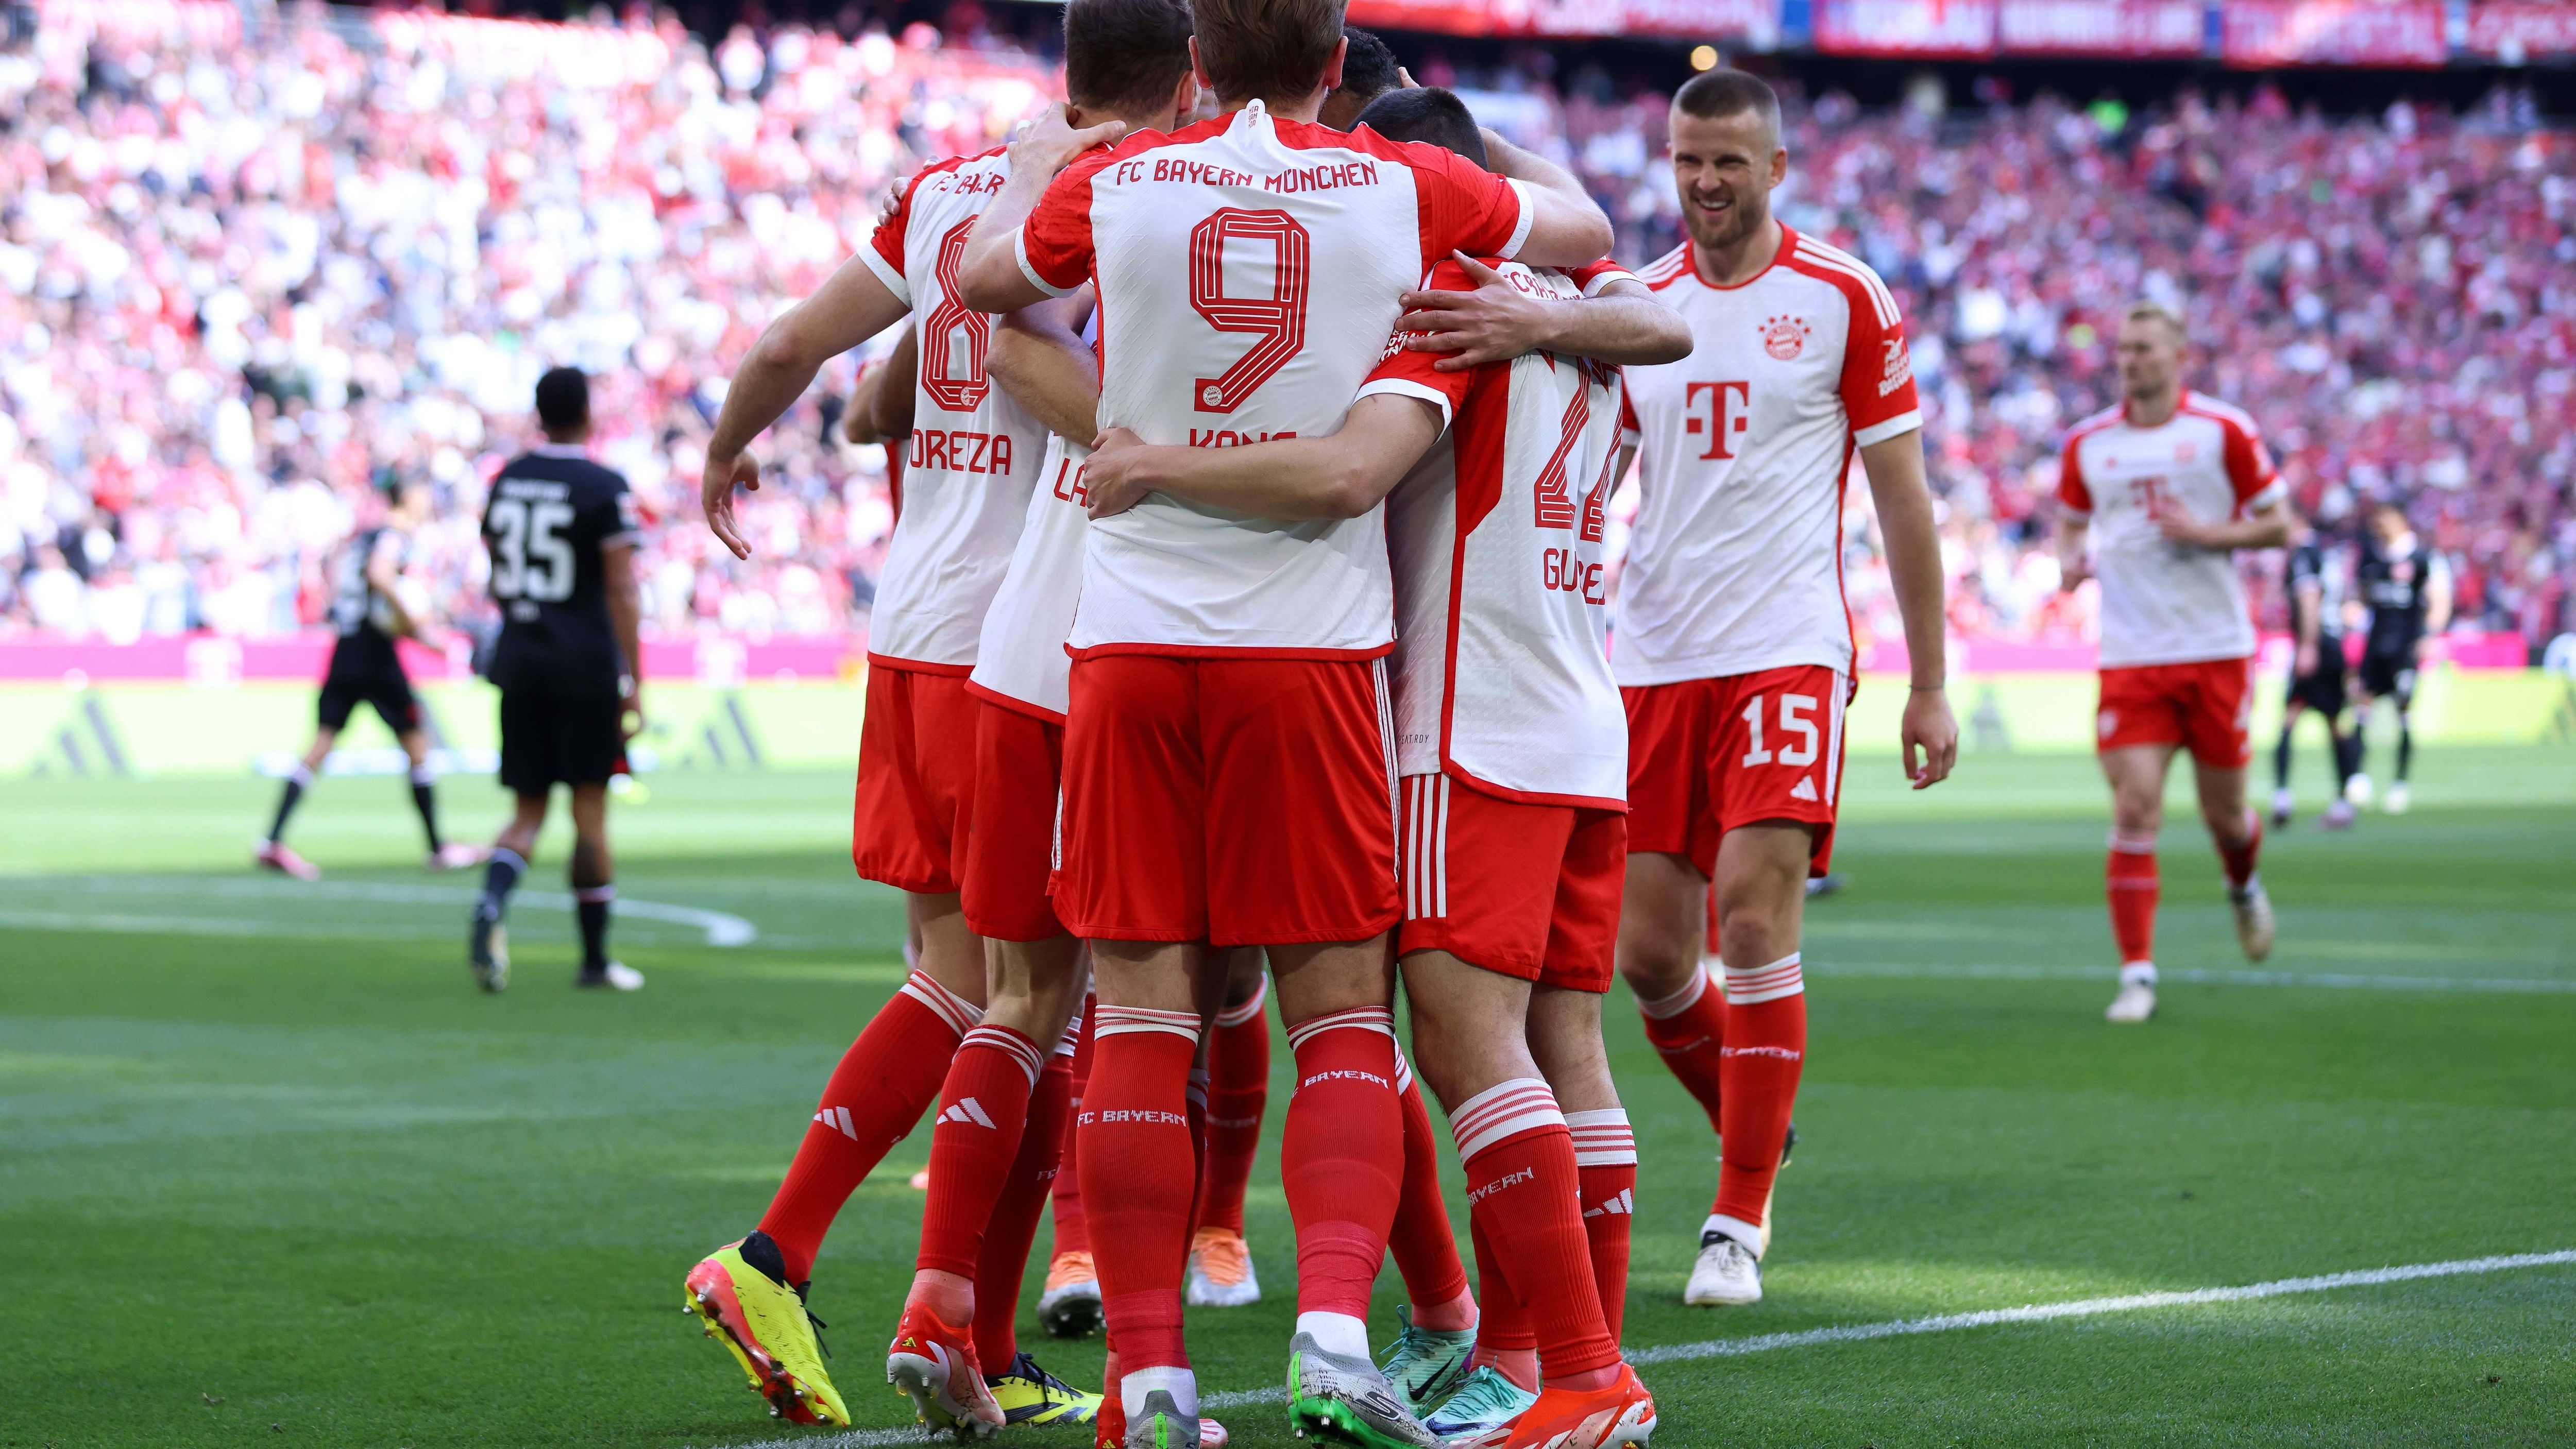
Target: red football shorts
x,y
2204,707
1708,755
916,778
1243,802
1010,836
1521,890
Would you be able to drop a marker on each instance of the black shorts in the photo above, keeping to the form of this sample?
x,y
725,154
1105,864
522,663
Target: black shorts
x,y
2389,676
550,739
384,688
2323,690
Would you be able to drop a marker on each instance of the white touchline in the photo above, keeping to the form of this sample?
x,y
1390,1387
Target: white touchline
x,y
1895,1328
721,928
2335,980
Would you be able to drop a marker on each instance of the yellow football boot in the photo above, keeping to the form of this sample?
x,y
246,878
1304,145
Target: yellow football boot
x,y
1029,1394
740,1290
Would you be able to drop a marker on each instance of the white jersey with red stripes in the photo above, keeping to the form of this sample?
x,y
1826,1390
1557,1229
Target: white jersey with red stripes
x,y
973,454
1248,271
1502,603
2165,603
1735,563
1022,663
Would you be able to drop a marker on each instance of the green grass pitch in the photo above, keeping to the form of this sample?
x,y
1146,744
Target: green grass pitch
x,y
272,1173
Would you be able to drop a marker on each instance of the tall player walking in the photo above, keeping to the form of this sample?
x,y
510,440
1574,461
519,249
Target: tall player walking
x,y
1226,777
2166,487
1733,647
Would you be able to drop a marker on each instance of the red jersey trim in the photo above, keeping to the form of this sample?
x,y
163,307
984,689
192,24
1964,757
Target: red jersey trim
x,y
917,666
1459,773
999,700
1690,265
1221,651
2072,490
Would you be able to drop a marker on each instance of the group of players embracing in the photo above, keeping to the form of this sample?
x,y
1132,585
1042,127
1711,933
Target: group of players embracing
x,y
1247,604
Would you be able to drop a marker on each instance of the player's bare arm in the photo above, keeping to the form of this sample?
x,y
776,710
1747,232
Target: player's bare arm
x,y
1038,358
2074,566
1929,734
851,307
1567,228
1624,324
1342,475
386,580
2437,610
2306,600
881,403
626,616
989,278
2265,527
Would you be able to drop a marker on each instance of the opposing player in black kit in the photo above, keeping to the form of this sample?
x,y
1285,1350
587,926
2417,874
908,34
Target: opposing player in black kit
x,y
2406,586
368,613
2316,679
561,530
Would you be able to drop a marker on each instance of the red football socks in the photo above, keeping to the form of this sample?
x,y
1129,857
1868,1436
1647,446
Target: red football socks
x,y
885,1080
1423,1244
1067,1207
2129,879
1688,1029
1238,1093
1004,1262
1523,1192
1139,1176
1505,1341
983,1112
2239,860
1605,1155
1341,1155
1766,1045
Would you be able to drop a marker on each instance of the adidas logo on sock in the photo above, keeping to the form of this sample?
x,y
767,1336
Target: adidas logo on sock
x,y
1806,789
969,1111
1625,1202
838,1119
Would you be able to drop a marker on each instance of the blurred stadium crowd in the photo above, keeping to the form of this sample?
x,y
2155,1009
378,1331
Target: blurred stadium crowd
x,y
243,277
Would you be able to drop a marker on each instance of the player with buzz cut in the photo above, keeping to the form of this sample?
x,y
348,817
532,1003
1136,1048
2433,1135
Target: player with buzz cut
x,y
1512,760
1733,644
561,531
1227,770
973,459
368,614
2165,487
2405,584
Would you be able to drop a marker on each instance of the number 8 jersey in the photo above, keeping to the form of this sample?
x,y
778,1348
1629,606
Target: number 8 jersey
x,y
973,455
1248,270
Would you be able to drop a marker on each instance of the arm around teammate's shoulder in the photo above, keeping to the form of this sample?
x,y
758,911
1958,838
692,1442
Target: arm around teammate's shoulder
x,y
1340,475
1566,226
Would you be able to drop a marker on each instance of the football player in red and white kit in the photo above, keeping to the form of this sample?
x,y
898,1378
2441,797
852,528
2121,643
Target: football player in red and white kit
x,y
1732,645
2166,487
1227,776
973,461
1510,748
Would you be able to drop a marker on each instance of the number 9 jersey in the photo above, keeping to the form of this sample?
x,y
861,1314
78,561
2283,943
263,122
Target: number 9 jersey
x,y
1249,270
551,512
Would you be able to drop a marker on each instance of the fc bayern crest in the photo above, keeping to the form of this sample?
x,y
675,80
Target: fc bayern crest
x,y
1785,337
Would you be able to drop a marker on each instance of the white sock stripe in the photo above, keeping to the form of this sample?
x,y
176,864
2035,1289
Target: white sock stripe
x,y
591,895
961,1015
1604,1156
1368,1018
1664,1007
1834,738
1071,1042
503,852
1501,1111
1129,1020
2133,842
1598,1118
301,775
1761,975
1765,983
423,775
1403,1072
1238,1015
1019,1048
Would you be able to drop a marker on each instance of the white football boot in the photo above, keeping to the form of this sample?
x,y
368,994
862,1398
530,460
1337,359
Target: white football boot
x,y
2395,802
2253,919
2357,790
1726,1273
2135,1003
2339,815
2284,805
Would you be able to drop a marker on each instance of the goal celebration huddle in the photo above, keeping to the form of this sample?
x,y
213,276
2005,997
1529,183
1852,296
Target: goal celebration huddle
x,y
1250,639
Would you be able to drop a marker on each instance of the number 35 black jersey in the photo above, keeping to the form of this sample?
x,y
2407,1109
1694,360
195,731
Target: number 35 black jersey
x,y
551,513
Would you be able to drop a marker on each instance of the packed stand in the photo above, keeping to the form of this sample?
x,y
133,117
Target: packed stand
x,y
238,282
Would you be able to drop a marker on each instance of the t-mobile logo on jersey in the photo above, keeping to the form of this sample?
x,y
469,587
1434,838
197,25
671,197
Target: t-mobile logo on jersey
x,y
1730,412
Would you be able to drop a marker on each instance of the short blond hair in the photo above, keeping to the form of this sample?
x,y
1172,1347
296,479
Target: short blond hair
x,y
2146,311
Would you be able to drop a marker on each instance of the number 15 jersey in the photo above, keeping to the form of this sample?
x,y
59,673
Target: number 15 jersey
x,y
1736,562
1248,270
